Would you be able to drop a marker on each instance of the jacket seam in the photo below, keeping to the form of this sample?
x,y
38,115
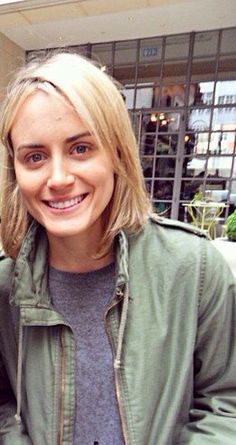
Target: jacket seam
x,y
55,387
129,411
203,261
125,393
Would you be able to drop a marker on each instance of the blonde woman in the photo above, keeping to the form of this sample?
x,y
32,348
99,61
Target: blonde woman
x,y
116,327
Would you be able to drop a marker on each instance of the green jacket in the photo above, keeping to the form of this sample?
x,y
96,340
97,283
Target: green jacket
x,y
171,326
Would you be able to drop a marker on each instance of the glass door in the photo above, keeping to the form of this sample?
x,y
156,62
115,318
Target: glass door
x,y
160,136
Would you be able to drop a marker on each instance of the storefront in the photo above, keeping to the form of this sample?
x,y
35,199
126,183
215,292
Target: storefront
x,y
181,94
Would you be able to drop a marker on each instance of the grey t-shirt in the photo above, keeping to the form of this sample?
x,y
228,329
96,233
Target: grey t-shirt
x,y
81,299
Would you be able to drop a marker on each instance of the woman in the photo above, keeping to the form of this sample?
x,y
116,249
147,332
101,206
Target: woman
x,y
94,287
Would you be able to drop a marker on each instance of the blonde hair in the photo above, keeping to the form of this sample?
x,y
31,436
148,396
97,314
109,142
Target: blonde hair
x,y
101,106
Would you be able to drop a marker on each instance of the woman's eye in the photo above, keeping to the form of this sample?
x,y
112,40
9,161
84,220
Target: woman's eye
x,y
80,149
34,157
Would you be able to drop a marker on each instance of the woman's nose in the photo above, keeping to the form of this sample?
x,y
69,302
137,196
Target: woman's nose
x,y
60,176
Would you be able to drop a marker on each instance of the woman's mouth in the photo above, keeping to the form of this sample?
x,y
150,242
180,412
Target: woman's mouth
x,y
68,203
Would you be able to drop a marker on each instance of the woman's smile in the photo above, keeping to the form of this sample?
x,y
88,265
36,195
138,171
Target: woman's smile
x,y
66,203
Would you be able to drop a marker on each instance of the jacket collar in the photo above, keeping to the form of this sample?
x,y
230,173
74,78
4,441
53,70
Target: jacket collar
x,y
30,280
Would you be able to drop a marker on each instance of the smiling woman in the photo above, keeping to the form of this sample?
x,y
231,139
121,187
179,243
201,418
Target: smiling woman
x,y
103,305
88,99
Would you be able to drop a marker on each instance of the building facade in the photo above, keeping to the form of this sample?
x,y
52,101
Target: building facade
x,y
180,91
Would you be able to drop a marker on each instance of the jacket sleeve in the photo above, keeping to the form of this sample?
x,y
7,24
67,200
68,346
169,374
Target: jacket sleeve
x,y
212,418
10,432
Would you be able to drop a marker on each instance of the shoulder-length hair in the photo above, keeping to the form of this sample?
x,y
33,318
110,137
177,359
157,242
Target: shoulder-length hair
x,y
100,105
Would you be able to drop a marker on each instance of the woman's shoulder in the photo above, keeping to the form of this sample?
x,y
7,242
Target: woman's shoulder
x,y
168,234
174,227
172,241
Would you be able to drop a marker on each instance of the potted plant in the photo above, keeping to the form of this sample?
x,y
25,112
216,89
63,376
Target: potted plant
x,y
230,227
227,244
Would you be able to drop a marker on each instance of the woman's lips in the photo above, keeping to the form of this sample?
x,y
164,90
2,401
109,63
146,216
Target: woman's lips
x,y
67,203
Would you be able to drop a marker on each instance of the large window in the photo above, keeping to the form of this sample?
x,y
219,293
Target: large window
x,y
180,91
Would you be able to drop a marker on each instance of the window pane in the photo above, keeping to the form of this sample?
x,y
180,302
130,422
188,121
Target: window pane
x,y
201,143
149,72
222,142
147,165
225,92
148,185
165,167
224,119
205,43
128,95
177,47
125,74
125,52
158,133
102,53
203,68
175,69
172,95
219,166
163,190
190,187
144,98
166,143
199,119
150,50
226,67
162,208
201,93
228,41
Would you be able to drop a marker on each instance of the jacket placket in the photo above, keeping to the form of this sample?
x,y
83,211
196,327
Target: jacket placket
x,y
111,321
59,364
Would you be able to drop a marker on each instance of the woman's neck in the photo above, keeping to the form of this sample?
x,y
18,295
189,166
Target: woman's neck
x,y
71,256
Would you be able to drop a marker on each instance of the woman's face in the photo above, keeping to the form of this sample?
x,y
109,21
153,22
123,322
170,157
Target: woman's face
x,y
66,181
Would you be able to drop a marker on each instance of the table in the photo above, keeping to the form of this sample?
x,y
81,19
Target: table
x,y
204,214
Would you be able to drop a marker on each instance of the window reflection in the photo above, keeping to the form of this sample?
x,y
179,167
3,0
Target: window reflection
x,y
222,142
158,134
224,119
199,119
149,72
128,95
102,53
226,67
163,189
165,167
147,165
228,41
150,50
177,47
173,95
144,98
203,68
205,43
201,93
225,92
125,74
178,68
125,52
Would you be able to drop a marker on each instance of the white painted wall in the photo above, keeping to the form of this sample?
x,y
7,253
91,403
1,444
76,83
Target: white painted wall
x,y
169,17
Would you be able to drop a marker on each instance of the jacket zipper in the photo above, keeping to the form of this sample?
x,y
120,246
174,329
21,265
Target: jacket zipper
x,y
62,372
117,378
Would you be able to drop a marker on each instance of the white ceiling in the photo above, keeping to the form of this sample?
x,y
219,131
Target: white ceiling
x,y
36,24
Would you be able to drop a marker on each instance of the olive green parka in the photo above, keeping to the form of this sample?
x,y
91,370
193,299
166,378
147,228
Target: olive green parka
x,y
172,329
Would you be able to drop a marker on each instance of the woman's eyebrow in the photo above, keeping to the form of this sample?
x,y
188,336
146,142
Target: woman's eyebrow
x,y
78,136
67,140
29,146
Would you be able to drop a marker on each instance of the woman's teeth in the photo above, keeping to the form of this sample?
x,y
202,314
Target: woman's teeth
x,y
66,204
